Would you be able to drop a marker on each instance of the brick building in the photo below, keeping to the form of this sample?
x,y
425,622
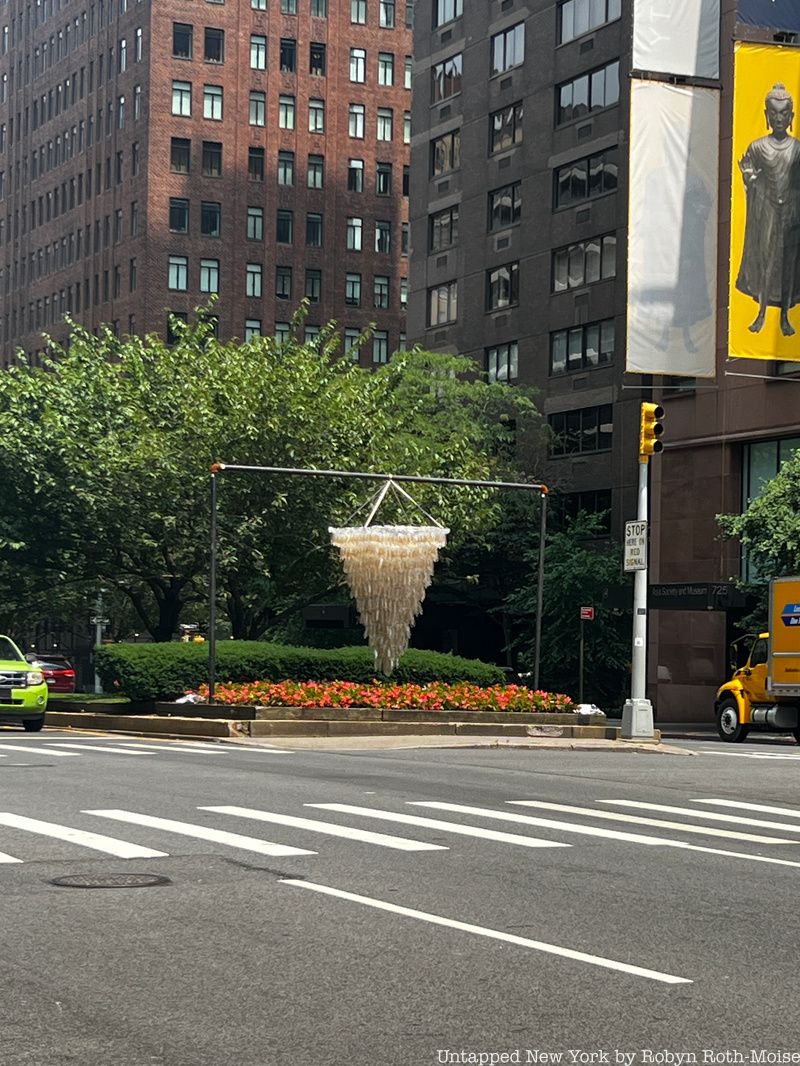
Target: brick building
x,y
152,154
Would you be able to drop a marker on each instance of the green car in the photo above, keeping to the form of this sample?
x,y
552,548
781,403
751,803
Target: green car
x,y
23,691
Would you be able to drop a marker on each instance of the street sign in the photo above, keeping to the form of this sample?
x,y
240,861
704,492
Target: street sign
x,y
587,614
96,620
635,545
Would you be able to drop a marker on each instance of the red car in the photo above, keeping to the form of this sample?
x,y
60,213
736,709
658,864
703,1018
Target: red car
x,y
57,670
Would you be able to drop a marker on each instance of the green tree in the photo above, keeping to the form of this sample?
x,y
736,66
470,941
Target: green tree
x,y
105,452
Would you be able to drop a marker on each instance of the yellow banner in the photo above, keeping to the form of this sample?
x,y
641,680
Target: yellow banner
x,y
764,314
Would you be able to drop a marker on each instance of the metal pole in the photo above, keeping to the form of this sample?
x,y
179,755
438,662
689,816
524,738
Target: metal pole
x,y
212,595
580,665
637,715
98,637
540,593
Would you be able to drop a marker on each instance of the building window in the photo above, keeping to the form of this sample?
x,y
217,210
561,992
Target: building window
x,y
380,291
383,237
284,227
386,14
178,275
505,206
351,348
285,168
255,223
443,11
182,98
138,43
446,153
179,216
352,290
383,179
502,362
210,219
576,17
209,275
319,9
314,230
443,304
358,12
286,112
358,65
380,346
212,102
586,430
283,282
288,55
255,164
587,93
283,332
181,40
258,5
316,116
385,123
584,262
315,175
408,71
446,78
584,179
313,288
258,108
137,106
502,287
288,7
214,46
212,159
404,292
356,120
354,234
258,51
508,49
505,128
443,229
355,175
252,329
404,230
385,68
316,59
173,334
253,280
582,347
179,152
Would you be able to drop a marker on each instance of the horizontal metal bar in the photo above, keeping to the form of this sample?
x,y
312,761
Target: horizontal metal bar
x,y
219,468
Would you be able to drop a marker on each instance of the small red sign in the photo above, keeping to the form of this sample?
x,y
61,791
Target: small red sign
x,y
587,614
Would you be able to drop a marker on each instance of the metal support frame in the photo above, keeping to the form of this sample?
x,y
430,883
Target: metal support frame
x,y
219,468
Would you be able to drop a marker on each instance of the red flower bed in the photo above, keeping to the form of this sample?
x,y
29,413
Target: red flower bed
x,y
433,697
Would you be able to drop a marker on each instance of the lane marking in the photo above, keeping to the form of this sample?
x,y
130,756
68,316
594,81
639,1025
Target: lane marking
x,y
399,843
711,815
764,807
752,755
586,830
493,934
110,845
657,823
436,823
154,749
201,832
8,858
37,751
96,747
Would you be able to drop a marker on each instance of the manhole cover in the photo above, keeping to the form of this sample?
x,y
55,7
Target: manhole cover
x,y
110,881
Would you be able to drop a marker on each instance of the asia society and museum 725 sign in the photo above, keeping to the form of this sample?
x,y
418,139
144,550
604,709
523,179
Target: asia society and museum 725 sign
x,y
765,205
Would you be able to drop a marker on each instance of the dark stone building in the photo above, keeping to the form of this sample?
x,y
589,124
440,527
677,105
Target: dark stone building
x,y
155,153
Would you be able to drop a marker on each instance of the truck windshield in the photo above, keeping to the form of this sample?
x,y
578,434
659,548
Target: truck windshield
x,y
8,653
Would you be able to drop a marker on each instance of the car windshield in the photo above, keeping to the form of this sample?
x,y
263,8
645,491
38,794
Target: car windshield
x,y
8,653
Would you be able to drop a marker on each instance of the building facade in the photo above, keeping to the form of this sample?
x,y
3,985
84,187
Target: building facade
x,y
154,155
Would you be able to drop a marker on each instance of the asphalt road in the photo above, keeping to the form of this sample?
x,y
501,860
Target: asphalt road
x,y
404,907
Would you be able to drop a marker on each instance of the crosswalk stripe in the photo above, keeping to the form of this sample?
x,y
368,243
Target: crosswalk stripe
x,y
710,815
201,832
492,934
170,749
588,830
37,750
97,747
656,823
436,823
753,755
121,848
763,807
366,837
8,858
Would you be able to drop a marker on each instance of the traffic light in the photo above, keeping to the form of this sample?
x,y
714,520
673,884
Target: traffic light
x,y
650,431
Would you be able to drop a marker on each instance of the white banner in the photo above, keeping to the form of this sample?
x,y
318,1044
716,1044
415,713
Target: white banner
x,y
672,229
676,37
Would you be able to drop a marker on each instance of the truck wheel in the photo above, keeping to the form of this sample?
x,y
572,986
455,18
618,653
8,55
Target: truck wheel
x,y
796,734
729,725
33,725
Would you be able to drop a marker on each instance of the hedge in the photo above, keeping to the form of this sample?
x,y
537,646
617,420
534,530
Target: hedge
x,y
167,671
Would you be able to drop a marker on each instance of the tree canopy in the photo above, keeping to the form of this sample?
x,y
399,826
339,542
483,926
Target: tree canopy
x,y
105,452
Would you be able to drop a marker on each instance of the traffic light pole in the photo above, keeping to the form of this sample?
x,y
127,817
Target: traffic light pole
x,y
637,715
